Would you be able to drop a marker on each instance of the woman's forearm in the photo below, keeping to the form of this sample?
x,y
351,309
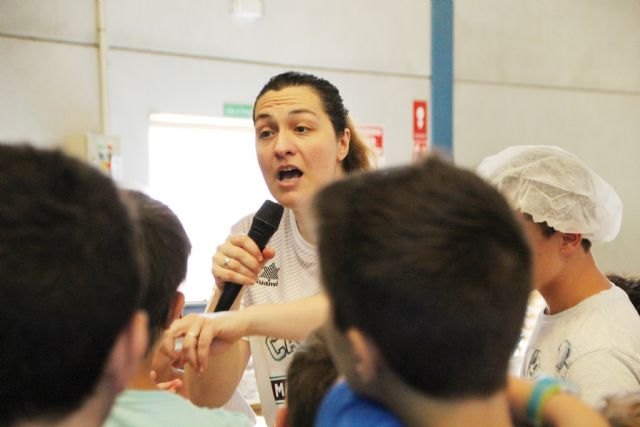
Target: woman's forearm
x,y
289,320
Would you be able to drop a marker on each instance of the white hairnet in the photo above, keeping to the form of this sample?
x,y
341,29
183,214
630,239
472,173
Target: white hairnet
x,y
556,187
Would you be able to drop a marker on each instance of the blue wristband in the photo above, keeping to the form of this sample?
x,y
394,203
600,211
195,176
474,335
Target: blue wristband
x,y
544,389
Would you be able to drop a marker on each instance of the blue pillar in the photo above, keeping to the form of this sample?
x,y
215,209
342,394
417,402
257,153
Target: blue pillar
x,y
442,76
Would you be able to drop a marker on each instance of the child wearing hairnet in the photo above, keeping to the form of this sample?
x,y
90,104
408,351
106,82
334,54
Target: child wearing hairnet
x,y
589,333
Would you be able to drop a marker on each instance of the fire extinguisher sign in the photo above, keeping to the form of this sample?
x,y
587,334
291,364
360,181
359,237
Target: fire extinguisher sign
x,y
420,128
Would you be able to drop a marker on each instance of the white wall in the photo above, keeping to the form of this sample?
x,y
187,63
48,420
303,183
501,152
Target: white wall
x,y
193,57
564,72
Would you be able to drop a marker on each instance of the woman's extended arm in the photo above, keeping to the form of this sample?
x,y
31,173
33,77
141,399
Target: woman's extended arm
x,y
208,335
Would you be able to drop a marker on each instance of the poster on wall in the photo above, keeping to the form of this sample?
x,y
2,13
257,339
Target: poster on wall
x,y
420,129
374,135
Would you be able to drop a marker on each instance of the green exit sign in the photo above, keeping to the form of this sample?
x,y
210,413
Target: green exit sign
x,y
238,110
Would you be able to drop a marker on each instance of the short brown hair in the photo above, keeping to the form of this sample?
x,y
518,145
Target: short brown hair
x,y
309,376
430,262
548,231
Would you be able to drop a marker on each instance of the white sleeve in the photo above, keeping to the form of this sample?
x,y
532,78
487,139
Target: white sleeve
x,y
602,373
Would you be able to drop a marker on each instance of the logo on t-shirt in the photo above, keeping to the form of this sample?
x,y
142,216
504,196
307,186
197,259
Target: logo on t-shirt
x,y
532,363
562,364
280,348
279,388
269,275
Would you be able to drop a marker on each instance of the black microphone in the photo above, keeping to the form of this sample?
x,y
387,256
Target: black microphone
x,y
265,223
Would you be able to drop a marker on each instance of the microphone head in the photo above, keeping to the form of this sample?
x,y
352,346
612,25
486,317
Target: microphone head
x,y
270,213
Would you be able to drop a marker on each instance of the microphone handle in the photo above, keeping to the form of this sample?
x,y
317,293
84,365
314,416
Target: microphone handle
x,y
260,232
229,294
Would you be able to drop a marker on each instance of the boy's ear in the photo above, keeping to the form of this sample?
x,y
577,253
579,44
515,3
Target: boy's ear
x,y
176,308
128,350
570,242
366,355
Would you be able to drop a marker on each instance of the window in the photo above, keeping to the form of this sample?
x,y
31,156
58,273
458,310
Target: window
x,y
205,169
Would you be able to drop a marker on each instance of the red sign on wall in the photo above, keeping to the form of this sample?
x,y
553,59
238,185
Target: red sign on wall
x,y
420,128
420,120
374,135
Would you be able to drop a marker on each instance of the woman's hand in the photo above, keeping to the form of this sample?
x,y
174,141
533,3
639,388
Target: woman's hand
x,y
173,386
239,260
203,335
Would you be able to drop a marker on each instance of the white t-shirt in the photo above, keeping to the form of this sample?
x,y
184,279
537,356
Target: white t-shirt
x,y
294,273
594,345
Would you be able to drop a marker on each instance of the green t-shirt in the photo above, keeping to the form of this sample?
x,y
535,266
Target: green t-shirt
x,y
142,408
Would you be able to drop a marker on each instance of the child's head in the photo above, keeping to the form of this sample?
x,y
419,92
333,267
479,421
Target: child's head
x,y
427,268
70,285
309,376
166,246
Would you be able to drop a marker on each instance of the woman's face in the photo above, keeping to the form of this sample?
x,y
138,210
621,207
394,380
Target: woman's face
x,y
297,148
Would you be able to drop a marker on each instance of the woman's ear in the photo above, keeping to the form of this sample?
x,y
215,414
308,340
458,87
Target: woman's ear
x,y
343,144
